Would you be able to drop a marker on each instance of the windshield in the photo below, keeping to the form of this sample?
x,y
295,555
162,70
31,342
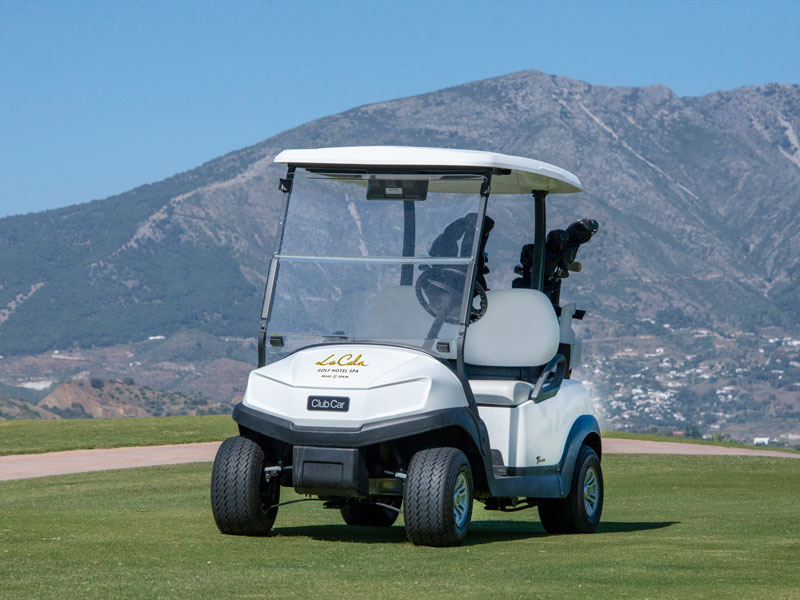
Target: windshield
x,y
373,258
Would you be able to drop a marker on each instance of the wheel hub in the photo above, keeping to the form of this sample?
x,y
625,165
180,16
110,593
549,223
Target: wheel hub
x,y
461,500
591,491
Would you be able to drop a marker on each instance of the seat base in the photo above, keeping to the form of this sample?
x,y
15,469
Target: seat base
x,y
500,392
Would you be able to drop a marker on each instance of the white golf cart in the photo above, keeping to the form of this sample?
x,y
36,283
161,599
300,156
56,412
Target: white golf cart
x,y
393,372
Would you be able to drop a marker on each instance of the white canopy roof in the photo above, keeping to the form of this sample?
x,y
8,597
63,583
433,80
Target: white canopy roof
x,y
526,174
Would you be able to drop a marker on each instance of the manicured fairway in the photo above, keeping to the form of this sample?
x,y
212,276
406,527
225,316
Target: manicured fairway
x,y
673,527
33,437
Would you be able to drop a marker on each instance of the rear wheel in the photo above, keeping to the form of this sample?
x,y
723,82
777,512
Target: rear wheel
x,y
368,514
242,499
437,497
580,511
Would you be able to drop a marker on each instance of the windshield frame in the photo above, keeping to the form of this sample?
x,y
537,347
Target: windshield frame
x,y
286,186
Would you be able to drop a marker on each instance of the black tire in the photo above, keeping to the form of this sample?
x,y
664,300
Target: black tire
x,y
429,497
367,514
241,497
580,511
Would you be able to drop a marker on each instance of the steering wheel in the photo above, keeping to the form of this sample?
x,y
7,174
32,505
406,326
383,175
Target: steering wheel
x,y
439,291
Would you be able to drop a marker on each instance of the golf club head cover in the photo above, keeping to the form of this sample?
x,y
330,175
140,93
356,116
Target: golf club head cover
x,y
578,233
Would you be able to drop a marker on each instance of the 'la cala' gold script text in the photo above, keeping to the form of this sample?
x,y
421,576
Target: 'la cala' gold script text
x,y
345,360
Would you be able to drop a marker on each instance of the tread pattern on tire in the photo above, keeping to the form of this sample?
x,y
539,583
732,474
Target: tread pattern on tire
x,y
428,497
239,495
567,515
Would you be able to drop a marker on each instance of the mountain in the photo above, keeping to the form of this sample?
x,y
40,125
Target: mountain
x,y
697,200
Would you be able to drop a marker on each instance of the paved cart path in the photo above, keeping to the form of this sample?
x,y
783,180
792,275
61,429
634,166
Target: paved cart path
x,y
623,446
23,466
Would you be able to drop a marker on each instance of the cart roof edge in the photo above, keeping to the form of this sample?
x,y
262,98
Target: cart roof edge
x,y
526,174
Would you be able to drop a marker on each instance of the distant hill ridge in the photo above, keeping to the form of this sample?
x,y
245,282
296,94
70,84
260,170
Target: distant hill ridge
x,y
697,199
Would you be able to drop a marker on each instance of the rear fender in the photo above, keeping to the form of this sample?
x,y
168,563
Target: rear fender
x,y
585,430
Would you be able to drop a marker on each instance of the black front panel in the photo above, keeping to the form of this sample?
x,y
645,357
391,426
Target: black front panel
x,y
331,472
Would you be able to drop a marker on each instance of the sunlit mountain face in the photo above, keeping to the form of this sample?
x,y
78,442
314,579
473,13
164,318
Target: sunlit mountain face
x,y
697,200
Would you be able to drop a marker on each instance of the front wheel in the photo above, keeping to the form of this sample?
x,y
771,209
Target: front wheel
x,y
437,497
580,511
242,499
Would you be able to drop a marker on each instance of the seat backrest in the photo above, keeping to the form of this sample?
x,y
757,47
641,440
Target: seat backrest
x,y
519,329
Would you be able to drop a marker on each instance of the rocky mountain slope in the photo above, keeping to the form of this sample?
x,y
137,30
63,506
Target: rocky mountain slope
x,y
697,198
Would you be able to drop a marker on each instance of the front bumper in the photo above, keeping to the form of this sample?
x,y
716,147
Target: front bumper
x,y
366,435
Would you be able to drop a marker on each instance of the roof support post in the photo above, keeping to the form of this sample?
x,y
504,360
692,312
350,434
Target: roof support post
x,y
537,281
285,186
466,302
409,241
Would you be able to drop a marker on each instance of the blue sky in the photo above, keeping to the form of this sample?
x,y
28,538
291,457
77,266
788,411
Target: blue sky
x,y
99,97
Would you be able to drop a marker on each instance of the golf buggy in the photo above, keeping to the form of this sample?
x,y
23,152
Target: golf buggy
x,y
395,369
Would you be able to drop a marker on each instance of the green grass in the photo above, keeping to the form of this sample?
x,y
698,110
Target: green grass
x,y
35,436
673,527
29,437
